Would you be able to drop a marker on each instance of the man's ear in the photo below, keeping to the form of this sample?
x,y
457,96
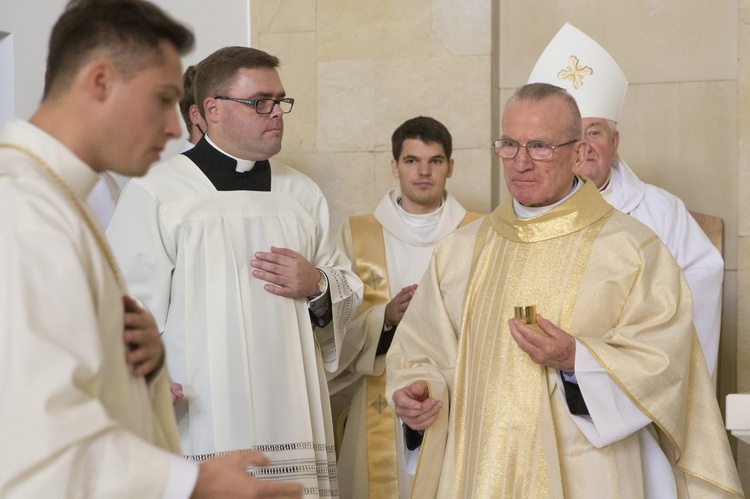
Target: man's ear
x,y
450,168
582,148
195,115
394,168
98,79
211,109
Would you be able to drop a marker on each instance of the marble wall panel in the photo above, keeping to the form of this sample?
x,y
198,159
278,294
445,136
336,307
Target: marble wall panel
x,y
346,179
296,51
374,30
453,90
384,179
346,106
471,183
652,40
742,350
683,137
463,28
743,112
282,16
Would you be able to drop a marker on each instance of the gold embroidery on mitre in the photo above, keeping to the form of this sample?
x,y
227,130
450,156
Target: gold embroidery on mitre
x,y
574,72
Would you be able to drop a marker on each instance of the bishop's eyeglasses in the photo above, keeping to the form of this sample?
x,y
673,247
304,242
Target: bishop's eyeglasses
x,y
263,106
536,149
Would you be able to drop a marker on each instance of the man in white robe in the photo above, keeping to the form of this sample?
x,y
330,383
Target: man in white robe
x,y
84,400
605,392
598,85
232,253
390,250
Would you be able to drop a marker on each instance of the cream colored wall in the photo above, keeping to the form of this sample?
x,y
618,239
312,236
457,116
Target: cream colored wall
x,y
359,69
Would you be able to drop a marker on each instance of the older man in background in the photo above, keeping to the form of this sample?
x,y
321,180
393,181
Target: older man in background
x,y
574,61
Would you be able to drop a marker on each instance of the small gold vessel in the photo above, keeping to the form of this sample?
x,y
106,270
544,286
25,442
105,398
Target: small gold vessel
x,y
527,313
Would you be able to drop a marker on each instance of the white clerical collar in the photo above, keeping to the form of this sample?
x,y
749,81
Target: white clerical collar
x,y
608,190
522,211
424,225
243,165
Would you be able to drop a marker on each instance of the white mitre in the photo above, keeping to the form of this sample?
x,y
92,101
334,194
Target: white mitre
x,y
575,62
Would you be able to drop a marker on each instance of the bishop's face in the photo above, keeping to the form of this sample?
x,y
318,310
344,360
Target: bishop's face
x,y
236,127
540,183
602,140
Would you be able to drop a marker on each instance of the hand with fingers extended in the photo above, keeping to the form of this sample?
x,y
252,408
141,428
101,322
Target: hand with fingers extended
x,y
555,348
396,308
415,407
287,272
145,351
226,476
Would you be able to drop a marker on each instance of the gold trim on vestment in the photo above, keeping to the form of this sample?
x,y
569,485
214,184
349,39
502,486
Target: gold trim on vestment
x,y
490,405
380,420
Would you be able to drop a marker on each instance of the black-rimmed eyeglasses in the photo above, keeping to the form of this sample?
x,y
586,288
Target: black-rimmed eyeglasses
x,y
263,106
537,150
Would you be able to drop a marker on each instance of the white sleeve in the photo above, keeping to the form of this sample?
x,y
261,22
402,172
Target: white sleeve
x,y
183,475
345,288
144,249
613,416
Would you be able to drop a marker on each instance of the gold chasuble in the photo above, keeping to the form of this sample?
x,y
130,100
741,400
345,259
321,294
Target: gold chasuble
x,y
504,430
370,262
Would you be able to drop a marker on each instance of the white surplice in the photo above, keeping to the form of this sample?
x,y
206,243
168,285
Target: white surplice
x,y
700,261
409,242
74,422
250,362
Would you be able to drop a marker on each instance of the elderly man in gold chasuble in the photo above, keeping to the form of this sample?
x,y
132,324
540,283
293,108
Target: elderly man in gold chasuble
x,y
603,392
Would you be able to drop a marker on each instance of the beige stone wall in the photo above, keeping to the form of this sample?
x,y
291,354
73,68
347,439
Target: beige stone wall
x,y
358,69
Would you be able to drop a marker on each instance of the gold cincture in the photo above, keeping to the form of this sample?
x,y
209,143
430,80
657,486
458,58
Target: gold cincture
x,y
98,236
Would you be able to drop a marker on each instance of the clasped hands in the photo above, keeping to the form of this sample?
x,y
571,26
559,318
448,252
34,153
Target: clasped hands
x,y
555,348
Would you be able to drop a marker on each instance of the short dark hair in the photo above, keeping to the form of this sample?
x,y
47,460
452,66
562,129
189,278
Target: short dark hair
x,y
425,129
216,72
127,32
188,95
540,91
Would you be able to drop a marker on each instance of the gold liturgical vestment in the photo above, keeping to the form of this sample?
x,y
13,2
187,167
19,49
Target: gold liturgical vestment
x,y
504,429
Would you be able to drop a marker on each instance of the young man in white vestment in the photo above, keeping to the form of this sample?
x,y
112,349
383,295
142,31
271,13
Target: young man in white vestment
x,y
85,407
390,250
232,252
605,392
575,62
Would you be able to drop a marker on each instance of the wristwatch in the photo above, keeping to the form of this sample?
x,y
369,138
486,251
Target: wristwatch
x,y
322,286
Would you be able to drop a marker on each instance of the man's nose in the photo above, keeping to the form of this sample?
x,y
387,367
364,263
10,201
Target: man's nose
x,y
522,161
276,111
172,126
425,168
